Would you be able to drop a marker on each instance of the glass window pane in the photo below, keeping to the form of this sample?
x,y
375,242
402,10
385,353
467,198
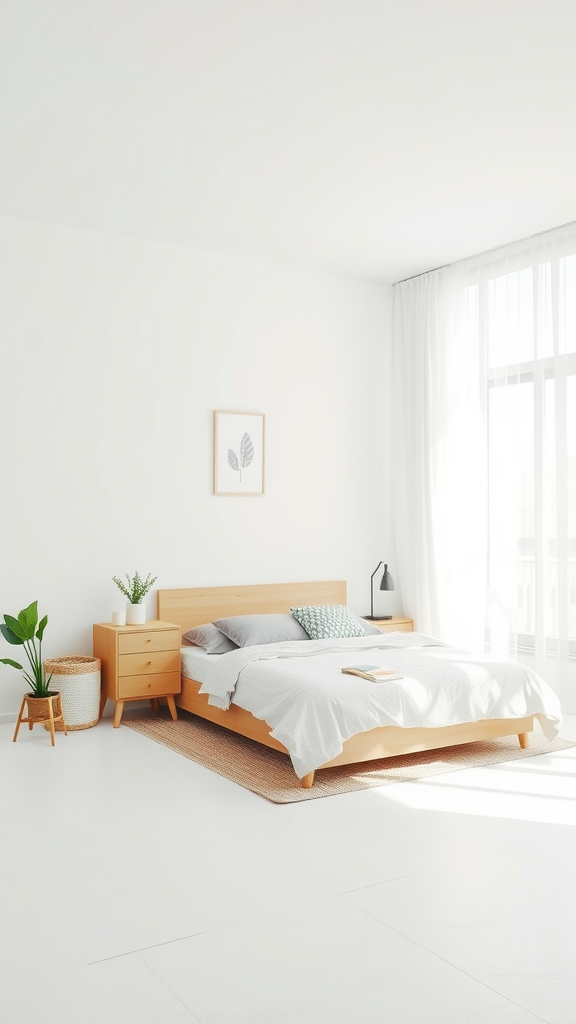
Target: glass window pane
x,y
511,502
571,430
549,511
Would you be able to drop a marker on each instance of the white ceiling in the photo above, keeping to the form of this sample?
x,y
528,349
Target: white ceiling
x,y
377,138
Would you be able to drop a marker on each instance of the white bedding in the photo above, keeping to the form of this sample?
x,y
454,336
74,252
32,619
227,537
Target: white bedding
x,y
196,664
312,707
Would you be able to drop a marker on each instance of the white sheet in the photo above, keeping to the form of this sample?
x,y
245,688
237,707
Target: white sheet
x,y
312,707
196,664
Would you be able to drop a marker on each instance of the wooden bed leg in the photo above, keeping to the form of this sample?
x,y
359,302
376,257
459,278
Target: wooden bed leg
x,y
523,737
308,781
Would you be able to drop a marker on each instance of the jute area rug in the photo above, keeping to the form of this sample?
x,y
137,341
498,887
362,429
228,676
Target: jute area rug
x,y
270,774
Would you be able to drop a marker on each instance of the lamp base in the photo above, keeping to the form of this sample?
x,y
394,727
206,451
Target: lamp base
x,y
377,618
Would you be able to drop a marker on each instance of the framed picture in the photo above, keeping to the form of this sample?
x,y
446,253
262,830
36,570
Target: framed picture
x,y
238,453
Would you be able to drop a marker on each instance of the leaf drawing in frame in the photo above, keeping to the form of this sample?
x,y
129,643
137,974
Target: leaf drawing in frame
x,y
246,451
246,455
238,453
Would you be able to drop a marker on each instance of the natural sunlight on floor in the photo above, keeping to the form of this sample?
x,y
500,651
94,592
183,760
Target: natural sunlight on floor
x,y
543,791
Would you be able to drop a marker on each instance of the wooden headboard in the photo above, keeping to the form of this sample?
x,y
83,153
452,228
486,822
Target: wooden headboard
x,y
192,607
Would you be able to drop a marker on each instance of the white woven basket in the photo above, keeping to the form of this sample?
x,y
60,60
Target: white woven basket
x,y
77,679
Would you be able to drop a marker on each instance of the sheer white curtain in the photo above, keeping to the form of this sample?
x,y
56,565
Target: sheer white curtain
x,y
440,459
485,387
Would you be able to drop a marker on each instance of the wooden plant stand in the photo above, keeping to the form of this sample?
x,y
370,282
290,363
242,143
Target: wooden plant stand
x,y
41,710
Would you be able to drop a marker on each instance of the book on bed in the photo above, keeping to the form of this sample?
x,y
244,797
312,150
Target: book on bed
x,y
372,672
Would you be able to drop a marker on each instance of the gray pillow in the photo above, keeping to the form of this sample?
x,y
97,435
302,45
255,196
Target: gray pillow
x,y
328,621
249,630
210,638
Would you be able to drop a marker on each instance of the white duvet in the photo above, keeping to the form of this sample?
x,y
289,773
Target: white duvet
x,y
298,688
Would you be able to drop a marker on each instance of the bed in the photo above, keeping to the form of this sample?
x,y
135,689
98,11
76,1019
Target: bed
x,y
194,606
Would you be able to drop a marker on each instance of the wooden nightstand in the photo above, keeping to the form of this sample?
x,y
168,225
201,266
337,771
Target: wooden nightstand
x,y
398,623
138,663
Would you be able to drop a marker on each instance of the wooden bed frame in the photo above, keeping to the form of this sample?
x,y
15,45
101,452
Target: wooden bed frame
x,y
192,607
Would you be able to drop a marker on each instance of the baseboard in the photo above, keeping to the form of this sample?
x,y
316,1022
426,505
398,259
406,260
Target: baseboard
x,y
7,717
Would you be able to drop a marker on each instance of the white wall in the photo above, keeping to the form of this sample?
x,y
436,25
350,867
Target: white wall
x,y
114,354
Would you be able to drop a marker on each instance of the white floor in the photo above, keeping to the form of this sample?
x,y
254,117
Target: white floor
x,y
136,887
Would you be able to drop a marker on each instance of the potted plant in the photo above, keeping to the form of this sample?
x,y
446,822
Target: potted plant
x,y
135,590
26,631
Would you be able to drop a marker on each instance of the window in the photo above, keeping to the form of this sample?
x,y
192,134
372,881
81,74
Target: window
x,y
525,322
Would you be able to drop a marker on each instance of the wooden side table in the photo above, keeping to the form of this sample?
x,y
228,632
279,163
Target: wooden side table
x,y
138,663
44,710
398,623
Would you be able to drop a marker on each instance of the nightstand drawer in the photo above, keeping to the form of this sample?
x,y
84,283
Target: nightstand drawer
x,y
152,640
148,663
148,686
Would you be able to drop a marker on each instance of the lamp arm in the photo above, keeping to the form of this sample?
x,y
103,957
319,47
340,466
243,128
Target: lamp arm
x,y
376,570
372,588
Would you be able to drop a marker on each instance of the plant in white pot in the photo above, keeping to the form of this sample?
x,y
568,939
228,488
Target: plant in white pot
x,y
26,631
135,590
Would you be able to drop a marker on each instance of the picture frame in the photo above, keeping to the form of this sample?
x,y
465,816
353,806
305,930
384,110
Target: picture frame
x,y
239,443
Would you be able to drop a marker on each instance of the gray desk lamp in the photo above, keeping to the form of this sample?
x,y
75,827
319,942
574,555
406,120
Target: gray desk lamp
x,y
386,583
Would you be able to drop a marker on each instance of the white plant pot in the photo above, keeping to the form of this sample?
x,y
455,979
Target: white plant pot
x,y
135,614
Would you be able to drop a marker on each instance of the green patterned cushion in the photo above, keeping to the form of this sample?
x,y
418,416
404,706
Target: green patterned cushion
x,y
328,621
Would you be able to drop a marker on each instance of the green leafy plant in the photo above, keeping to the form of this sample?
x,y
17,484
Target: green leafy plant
x,y
136,588
25,631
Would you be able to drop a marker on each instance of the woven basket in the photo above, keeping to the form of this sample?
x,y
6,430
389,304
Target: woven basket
x,y
37,707
77,678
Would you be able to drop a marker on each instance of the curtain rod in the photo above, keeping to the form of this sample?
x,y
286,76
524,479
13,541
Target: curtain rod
x,y
486,252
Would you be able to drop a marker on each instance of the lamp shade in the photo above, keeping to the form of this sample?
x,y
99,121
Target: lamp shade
x,y
386,583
